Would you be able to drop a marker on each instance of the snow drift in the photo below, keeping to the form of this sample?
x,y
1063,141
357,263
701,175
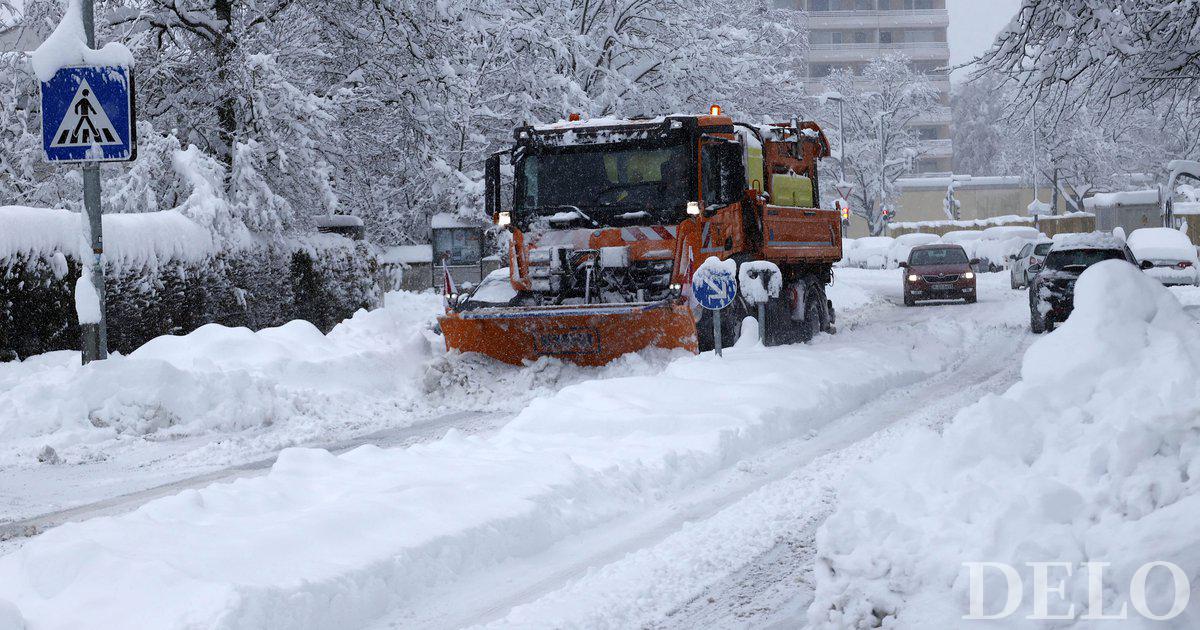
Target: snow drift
x,y
1093,457
333,542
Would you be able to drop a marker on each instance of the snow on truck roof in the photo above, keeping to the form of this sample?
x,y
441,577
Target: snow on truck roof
x,y
1119,199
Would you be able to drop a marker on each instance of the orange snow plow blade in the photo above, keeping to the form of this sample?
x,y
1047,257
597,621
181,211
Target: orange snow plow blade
x,y
586,335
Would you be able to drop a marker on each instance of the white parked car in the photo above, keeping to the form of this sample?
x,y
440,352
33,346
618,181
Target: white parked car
x,y
848,244
904,245
1167,255
871,252
999,245
1028,262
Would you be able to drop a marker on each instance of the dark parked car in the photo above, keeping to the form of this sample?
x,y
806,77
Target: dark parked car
x,y
1052,291
938,272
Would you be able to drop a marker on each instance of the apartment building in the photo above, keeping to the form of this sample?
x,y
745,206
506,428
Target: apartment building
x,y
849,34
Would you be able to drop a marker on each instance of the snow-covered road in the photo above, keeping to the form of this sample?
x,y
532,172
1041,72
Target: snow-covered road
x,y
735,549
672,493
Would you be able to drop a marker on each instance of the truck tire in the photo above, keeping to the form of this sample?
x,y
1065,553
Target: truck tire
x,y
730,321
816,316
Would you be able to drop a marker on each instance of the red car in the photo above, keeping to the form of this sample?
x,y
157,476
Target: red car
x,y
938,272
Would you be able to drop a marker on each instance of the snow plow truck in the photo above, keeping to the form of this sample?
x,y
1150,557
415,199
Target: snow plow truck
x,y
608,219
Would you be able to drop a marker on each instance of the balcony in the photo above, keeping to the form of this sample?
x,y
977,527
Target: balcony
x,y
923,18
935,51
937,148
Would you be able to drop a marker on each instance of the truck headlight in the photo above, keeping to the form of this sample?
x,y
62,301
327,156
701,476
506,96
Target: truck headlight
x,y
503,219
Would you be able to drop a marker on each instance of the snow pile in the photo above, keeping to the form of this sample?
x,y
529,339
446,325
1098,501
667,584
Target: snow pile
x,y
337,541
1093,457
219,379
67,46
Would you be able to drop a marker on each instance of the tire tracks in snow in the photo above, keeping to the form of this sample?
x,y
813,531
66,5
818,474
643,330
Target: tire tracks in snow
x,y
648,569
11,533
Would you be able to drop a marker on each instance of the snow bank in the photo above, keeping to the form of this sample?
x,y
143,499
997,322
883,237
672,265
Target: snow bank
x,y
219,379
1093,457
67,46
130,240
325,541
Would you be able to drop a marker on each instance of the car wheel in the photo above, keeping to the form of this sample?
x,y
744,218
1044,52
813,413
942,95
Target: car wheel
x,y
1012,282
1037,322
972,299
909,301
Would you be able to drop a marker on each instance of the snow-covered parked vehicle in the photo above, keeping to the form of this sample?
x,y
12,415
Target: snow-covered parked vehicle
x,y
1052,292
847,245
969,239
904,245
998,246
871,252
1166,255
1025,265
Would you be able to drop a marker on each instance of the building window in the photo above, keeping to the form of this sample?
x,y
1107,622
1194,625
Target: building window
x,y
885,37
860,37
835,37
786,4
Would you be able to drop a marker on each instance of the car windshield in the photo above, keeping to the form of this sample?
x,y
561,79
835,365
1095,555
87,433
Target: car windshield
x,y
1043,249
1081,258
607,184
939,256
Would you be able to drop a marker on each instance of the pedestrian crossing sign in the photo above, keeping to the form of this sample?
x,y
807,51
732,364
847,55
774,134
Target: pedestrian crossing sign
x,y
88,115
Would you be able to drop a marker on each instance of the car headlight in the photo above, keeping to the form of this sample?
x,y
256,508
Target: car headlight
x,y
913,278
970,275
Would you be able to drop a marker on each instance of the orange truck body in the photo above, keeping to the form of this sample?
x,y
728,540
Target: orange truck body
x,y
566,305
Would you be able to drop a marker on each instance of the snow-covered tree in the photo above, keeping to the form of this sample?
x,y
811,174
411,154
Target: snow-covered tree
x,y
880,144
1117,52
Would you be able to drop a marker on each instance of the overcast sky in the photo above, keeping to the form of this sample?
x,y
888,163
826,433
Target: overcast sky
x,y
974,25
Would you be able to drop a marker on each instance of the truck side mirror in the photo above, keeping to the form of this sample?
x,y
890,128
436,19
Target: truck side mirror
x,y
491,195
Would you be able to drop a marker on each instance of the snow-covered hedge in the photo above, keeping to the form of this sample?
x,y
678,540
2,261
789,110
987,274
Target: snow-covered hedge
x,y
168,275
1093,457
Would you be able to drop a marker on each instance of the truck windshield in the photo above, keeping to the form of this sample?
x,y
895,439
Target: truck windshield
x,y
611,186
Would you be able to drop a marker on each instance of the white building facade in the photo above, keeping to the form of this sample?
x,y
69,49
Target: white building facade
x,y
849,34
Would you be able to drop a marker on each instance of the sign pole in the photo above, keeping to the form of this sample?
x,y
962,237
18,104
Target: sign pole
x,y
95,336
717,340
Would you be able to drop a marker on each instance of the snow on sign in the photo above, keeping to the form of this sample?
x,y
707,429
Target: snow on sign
x,y
714,285
88,115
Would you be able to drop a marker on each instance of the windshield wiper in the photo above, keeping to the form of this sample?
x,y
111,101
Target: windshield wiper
x,y
574,209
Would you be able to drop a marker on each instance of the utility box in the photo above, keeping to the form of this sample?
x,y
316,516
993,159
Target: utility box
x,y
1130,210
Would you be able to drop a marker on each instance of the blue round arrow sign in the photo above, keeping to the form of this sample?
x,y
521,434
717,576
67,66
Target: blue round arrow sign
x,y
714,286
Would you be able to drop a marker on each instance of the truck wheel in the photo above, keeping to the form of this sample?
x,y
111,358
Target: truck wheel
x,y
815,317
781,330
730,320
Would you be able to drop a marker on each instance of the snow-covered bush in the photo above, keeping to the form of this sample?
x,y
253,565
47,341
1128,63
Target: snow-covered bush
x,y
1093,457
169,275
